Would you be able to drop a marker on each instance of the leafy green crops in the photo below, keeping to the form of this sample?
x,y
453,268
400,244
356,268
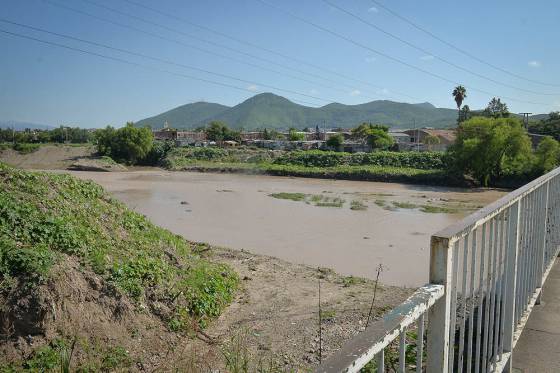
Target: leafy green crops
x,y
45,217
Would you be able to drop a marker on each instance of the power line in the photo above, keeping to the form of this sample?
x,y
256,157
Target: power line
x,y
54,3
462,51
395,59
247,43
157,59
121,60
194,47
180,42
444,60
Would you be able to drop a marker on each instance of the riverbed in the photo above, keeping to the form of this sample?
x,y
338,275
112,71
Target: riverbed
x,y
390,224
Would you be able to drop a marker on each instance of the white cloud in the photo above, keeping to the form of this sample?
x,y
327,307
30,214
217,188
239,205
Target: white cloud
x,y
534,63
427,57
370,59
373,10
253,88
313,91
355,93
384,91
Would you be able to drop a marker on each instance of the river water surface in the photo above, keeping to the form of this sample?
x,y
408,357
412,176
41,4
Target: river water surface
x,y
237,211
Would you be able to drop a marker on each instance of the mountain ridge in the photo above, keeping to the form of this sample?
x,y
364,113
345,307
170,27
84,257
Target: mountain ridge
x,y
267,110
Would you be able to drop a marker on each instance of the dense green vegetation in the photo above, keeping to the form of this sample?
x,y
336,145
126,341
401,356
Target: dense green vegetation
x,y
45,218
317,158
549,126
218,131
275,112
73,135
377,136
495,151
378,166
127,144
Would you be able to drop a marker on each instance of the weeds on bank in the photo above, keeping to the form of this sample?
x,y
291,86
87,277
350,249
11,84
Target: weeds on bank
x,y
59,356
44,217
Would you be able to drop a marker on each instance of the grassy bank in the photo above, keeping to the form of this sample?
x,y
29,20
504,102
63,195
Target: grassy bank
x,y
420,168
55,225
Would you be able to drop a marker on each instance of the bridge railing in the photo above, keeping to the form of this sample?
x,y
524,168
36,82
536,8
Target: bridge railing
x,y
492,266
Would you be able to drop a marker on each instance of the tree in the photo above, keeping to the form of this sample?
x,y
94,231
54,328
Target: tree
x,y
547,155
496,109
431,140
377,135
294,135
554,115
491,148
362,132
464,113
216,131
459,93
127,144
548,126
266,135
335,141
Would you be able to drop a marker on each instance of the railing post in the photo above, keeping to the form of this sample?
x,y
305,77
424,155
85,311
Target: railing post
x,y
542,264
441,264
511,282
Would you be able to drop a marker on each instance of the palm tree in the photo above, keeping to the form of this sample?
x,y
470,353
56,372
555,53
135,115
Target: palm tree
x,y
460,93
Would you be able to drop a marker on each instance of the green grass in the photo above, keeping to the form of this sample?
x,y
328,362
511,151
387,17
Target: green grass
x,y
380,202
319,200
330,202
328,315
431,209
45,217
404,205
56,356
358,205
290,196
24,148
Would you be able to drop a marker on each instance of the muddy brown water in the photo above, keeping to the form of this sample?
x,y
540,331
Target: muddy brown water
x,y
236,211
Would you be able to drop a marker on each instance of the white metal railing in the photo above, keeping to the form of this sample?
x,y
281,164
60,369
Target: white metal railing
x,y
492,266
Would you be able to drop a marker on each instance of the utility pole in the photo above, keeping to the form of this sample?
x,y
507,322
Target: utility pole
x,y
526,120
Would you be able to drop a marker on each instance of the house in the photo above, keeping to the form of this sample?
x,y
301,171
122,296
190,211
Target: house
x,y
248,136
418,138
400,137
165,133
184,138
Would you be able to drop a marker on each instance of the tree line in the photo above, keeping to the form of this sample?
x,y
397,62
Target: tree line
x,y
62,134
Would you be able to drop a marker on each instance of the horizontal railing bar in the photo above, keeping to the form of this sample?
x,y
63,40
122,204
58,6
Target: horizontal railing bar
x,y
469,223
356,353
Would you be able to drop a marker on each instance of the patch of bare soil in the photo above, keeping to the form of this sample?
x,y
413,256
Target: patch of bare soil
x,y
47,157
98,164
274,318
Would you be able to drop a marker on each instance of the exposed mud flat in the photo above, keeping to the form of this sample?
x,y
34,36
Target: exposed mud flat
x,y
47,157
237,211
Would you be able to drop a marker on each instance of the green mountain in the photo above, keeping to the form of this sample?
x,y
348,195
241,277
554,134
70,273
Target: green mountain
x,y
184,116
268,110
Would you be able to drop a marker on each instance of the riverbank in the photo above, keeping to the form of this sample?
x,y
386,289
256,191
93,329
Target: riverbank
x,y
89,284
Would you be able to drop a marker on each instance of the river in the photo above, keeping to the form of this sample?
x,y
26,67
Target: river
x,y
237,211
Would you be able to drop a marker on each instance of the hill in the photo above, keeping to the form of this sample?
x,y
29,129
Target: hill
x,y
185,116
268,110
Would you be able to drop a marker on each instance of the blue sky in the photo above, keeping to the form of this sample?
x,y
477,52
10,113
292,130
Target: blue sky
x,y
51,85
